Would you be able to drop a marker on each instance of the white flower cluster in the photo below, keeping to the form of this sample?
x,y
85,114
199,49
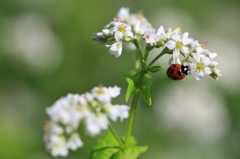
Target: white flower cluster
x,y
93,109
132,28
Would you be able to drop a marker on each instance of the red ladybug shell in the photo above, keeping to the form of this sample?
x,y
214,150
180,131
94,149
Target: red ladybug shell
x,y
177,71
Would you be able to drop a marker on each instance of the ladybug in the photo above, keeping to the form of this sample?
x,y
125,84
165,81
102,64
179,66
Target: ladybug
x,y
177,71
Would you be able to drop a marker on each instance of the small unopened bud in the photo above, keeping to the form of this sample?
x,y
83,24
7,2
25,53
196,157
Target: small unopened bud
x,y
215,74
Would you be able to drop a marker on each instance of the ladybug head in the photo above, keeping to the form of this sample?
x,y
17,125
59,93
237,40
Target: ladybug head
x,y
185,69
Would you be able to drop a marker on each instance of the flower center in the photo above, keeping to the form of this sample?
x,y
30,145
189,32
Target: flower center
x,y
178,45
100,91
139,16
147,36
122,28
200,66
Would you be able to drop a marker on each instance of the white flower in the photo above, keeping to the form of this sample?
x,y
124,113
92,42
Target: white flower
x,y
123,14
119,111
200,65
121,29
211,56
115,49
178,44
101,94
74,141
58,112
138,17
67,110
150,36
114,91
140,28
96,123
57,146
161,33
94,109
196,47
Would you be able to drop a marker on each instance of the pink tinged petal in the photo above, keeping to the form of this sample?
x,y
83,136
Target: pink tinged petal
x,y
128,28
175,54
207,70
170,44
118,35
129,33
206,61
185,49
176,37
199,75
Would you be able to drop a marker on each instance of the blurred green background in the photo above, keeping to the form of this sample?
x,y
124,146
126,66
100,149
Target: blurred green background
x,y
46,51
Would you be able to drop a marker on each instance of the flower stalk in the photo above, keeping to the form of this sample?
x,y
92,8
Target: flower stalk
x,y
115,136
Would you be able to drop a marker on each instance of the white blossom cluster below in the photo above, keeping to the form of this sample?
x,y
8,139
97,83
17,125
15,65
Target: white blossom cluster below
x,y
92,109
133,28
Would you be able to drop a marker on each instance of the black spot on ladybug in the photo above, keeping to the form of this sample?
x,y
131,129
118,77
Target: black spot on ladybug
x,y
174,65
179,73
171,71
175,78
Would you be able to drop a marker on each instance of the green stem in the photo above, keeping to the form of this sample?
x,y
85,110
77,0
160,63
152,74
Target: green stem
x,y
139,55
157,57
137,63
115,135
133,108
132,115
146,54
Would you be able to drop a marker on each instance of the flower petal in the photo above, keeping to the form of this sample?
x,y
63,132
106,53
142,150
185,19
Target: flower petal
x,y
175,54
212,55
192,66
129,33
171,44
199,50
207,70
116,49
176,37
185,49
206,61
186,41
196,57
185,35
118,35
199,75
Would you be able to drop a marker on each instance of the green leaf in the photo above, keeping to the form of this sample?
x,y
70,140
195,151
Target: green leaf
x,y
145,89
105,147
105,153
130,88
129,152
132,141
108,148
